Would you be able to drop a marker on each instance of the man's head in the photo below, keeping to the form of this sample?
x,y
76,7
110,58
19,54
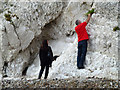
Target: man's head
x,y
77,22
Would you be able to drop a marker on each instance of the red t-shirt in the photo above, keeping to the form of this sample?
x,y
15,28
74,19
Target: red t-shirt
x,y
81,32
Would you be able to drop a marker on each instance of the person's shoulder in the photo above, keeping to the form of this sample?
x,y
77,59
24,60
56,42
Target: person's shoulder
x,y
84,22
49,47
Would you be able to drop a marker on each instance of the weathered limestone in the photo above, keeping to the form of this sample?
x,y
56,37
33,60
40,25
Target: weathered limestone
x,y
55,21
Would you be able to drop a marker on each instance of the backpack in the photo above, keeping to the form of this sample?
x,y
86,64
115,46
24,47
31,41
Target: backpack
x,y
50,55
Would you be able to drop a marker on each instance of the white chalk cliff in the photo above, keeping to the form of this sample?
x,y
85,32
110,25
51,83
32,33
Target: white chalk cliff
x,y
31,22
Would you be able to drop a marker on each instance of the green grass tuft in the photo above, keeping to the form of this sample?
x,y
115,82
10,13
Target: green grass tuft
x,y
8,17
90,12
1,11
116,28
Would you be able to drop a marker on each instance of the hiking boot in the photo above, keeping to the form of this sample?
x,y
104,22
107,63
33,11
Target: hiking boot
x,y
81,67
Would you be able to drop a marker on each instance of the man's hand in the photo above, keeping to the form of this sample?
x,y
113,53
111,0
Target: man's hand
x,y
90,15
88,19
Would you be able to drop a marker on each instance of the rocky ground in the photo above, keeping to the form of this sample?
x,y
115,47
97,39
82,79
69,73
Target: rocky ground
x,y
60,83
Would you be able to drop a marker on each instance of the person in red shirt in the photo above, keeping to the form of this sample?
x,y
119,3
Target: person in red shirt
x,y
82,41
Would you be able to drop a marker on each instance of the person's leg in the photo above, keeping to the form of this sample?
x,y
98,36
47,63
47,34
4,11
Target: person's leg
x,y
41,72
84,51
46,72
79,55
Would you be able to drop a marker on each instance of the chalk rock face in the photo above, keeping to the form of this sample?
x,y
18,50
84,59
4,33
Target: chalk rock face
x,y
24,25
102,55
19,33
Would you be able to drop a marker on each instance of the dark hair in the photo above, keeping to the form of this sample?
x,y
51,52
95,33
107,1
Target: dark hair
x,y
77,22
44,44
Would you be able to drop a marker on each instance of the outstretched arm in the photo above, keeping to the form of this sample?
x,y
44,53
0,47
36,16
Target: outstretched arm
x,y
88,18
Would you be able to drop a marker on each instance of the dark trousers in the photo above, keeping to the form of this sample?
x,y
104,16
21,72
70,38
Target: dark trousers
x,y
82,50
46,71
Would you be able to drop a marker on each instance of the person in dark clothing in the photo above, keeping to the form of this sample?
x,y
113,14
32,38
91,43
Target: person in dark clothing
x,y
45,59
82,41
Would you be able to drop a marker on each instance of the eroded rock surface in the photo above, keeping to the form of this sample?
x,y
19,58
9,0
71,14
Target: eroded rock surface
x,y
28,23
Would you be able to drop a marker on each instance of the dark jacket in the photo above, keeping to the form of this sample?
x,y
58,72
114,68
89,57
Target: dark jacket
x,y
43,54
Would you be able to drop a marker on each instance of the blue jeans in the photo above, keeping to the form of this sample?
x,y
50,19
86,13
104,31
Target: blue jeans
x,y
82,50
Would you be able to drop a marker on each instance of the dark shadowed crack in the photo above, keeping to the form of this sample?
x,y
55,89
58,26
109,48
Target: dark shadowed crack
x,y
92,4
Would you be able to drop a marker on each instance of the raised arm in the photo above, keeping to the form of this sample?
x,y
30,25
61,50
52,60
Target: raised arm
x,y
88,18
